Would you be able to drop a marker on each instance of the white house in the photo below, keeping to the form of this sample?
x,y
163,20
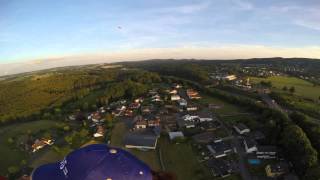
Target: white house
x,y
177,134
175,97
182,102
189,117
241,128
250,145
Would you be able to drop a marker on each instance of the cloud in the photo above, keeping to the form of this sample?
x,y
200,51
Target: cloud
x,y
305,16
243,5
186,9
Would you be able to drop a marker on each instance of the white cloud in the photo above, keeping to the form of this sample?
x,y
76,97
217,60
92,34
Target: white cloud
x,y
243,5
186,9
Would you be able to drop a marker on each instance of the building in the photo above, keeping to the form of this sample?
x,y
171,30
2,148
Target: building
x,y
276,170
219,149
173,91
241,128
39,144
192,94
205,138
154,122
100,132
141,124
250,145
189,117
141,141
219,167
182,102
267,152
191,108
205,116
96,117
175,97
174,135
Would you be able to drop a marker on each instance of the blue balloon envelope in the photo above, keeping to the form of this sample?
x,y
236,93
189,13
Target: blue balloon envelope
x,y
95,162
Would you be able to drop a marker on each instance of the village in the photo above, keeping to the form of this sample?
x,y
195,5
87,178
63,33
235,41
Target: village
x,y
177,114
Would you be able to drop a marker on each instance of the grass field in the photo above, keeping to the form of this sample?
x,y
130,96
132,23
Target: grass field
x,y
226,108
302,88
16,156
180,158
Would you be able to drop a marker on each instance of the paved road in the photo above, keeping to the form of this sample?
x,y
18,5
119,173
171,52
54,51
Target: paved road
x,y
271,103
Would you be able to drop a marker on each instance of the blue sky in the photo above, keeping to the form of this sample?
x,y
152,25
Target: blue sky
x,y
37,29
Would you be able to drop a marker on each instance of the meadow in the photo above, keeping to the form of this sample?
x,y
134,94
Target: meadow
x,y
303,88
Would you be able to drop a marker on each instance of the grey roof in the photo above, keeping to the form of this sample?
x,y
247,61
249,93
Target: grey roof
x,y
267,149
219,147
250,142
241,126
140,140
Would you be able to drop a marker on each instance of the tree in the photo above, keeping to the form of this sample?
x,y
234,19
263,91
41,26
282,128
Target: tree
x,y
292,89
312,174
13,169
285,88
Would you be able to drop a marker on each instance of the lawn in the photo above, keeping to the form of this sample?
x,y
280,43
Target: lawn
x,y
226,108
13,157
149,157
180,159
303,88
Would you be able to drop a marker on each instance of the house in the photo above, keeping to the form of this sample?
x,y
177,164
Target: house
x,y
156,98
205,117
96,117
250,145
267,152
177,86
219,167
175,97
186,124
209,125
192,94
219,149
276,170
138,100
128,113
141,124
192,108
189,117
241,128
39,144
214,106
182,102
100,132
174,135
146,109
134,105
141,141
154,122
206,137
173,91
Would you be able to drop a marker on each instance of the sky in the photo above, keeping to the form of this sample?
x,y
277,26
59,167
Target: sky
x,y
33,31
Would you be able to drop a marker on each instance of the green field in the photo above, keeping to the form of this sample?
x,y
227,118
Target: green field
x,y
180,159
13,157
226,108
302,88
